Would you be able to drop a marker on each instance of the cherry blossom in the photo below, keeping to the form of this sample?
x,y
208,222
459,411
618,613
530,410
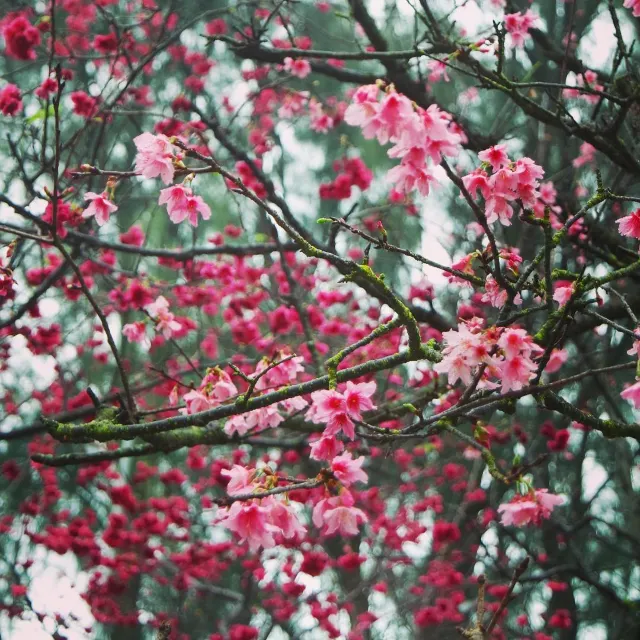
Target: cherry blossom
x,y
531,508
155,157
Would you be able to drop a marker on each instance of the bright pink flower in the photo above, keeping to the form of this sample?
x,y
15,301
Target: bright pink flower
x,y
633,4
10,100
154,157
251,522
358,398
518,26
101,207
300,68
632,394
630,225
20,37
325,405
326,448
348,470
190,208
341,422
496,156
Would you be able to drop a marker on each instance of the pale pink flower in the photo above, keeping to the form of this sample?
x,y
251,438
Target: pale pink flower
x,y
283,517
563,294
587,155
632,394
630,225
101,207
348,470
186,206
516,372
218,385
363,108
557,359
240,480
165,320
532,508
174,197
341,422
136,332
251,522
338,515
155,157
299,67
197,401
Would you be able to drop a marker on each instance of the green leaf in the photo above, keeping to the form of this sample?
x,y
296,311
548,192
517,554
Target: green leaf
x,y
41,115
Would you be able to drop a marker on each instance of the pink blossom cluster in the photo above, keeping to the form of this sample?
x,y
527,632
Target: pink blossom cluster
x,y
518,26
298,67
507,353
352,172
183,205
589,80
338,410
421,137
530,508
258,521
21,38
165,322
155,157
501,182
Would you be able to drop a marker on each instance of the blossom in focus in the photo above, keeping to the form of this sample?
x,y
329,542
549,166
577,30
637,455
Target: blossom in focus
x,y
348,470
630,225
531,508
154,157
165,320
101,207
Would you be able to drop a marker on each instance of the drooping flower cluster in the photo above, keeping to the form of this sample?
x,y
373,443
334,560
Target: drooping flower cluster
x,y
338,410
507,353
183,205
421,137
501,182
165,322
155,157
257,521
518,26
530,508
